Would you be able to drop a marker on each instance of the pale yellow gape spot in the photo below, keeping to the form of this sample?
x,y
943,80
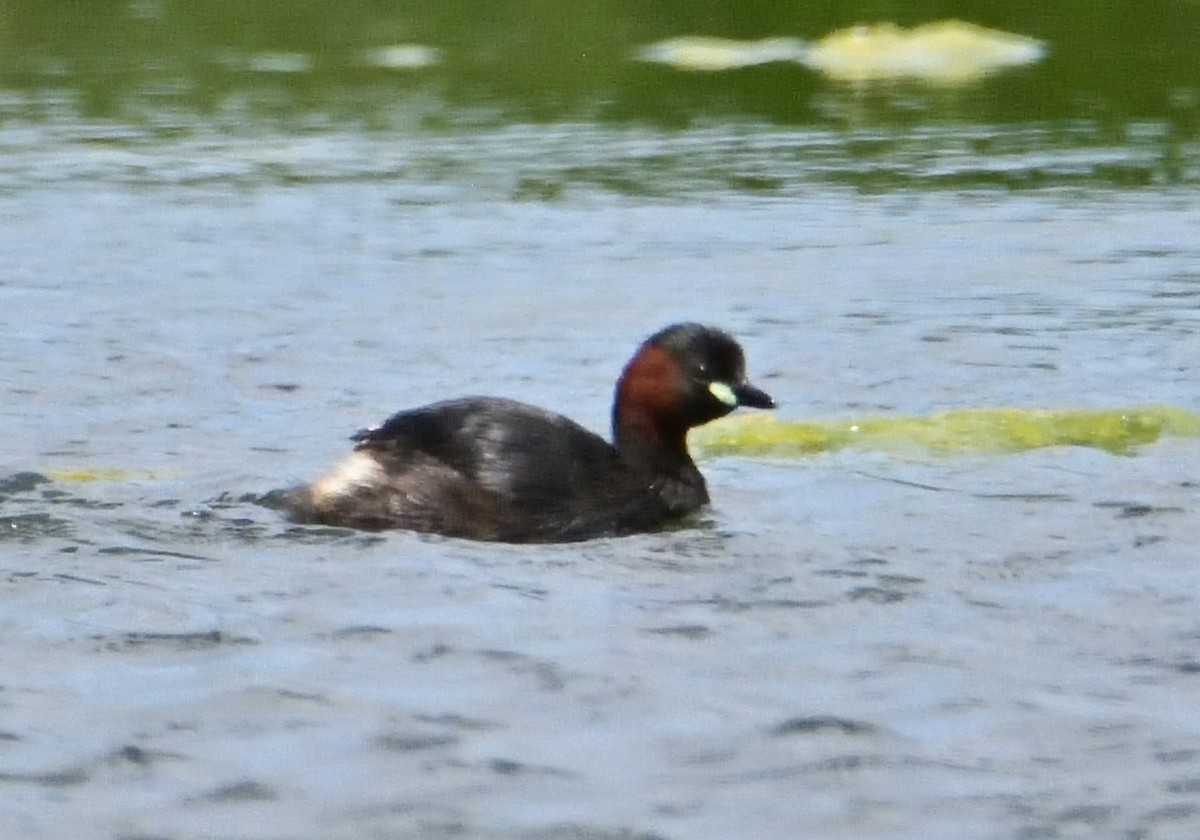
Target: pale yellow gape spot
x,y
723,393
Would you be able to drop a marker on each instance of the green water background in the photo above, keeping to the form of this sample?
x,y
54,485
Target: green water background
x,y
1116,76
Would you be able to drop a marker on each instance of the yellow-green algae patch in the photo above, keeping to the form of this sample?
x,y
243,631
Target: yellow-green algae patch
x,y
108,474
947,432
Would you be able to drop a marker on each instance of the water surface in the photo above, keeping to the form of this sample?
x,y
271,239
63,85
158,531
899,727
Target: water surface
x,y
200,305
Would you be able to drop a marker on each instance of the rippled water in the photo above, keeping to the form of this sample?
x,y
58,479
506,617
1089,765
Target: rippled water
x,y
856,644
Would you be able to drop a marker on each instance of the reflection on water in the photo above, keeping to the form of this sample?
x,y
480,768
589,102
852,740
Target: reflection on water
x,y
1112,103
170,66
550,163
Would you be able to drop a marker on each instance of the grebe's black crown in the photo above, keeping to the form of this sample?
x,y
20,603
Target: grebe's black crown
x,y
712,359
698,346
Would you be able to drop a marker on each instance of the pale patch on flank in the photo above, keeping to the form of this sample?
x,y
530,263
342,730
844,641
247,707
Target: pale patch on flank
x,y
724,393
357,470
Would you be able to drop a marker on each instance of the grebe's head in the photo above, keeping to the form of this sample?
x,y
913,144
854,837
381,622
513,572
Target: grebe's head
x,y
682,376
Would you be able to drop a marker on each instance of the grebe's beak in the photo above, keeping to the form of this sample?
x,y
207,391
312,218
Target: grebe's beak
x,y
743,394
750,397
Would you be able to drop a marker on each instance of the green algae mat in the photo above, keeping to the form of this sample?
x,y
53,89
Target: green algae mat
x,y
988,430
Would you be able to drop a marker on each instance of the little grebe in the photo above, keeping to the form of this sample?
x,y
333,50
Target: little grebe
x,y
493,469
